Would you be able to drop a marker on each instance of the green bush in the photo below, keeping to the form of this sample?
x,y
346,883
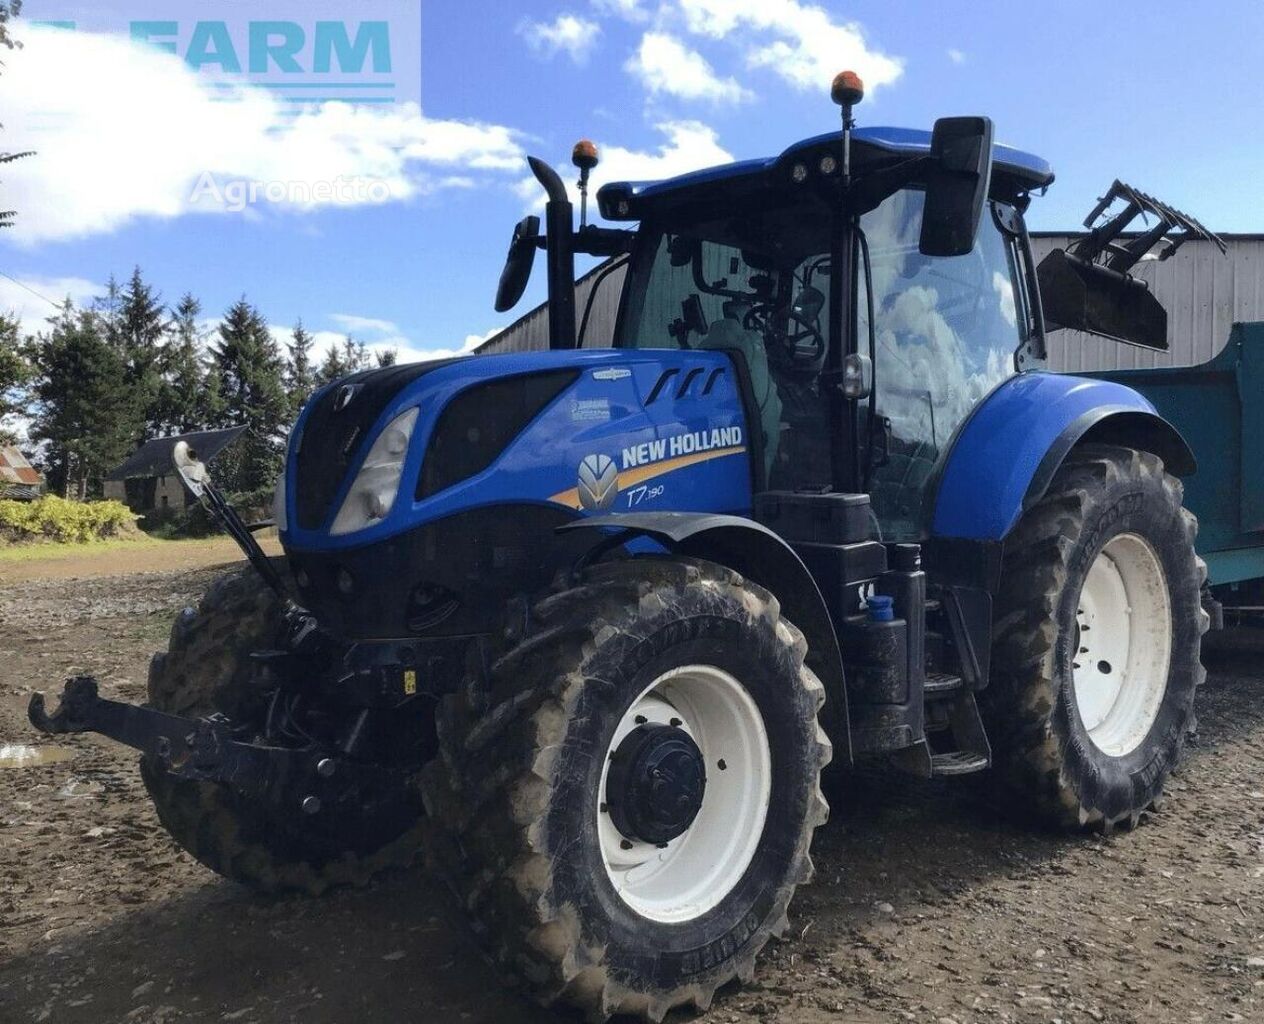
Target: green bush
x,y
56,519
196,521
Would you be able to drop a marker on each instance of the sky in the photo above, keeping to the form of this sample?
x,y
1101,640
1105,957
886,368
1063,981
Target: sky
x,y
388,217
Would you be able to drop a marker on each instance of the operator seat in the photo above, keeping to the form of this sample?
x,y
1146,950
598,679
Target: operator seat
x,y
728,333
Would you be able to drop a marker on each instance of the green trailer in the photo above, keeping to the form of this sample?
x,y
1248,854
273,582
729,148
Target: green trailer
x,y
1218,407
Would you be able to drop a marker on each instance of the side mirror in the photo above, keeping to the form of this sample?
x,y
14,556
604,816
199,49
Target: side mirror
x,y
692,320
517,272
809,303
957,185
683,251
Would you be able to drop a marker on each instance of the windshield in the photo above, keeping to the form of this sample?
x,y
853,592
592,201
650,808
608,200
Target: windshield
x,y
757,283
947,332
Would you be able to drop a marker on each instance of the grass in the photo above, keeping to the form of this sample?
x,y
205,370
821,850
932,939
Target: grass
x,y
119,557
70,550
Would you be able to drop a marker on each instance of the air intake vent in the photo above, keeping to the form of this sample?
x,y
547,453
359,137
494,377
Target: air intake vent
x,y
478,423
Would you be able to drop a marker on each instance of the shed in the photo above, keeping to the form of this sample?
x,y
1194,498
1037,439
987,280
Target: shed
x,y
18,478
147,482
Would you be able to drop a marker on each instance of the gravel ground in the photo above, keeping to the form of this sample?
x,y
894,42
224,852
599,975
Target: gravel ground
x,y
927,906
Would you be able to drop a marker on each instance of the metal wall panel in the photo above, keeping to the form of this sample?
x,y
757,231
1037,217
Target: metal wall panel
x,y
1203,292
531,332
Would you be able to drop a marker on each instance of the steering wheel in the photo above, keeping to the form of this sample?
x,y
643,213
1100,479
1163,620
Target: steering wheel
x,y
786,346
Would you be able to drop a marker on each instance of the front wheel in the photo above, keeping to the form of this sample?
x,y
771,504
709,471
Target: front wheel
x,y
1098,628
627,801
208,669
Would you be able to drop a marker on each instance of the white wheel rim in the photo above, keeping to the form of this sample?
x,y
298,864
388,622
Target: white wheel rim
x,y
1124,626
697,869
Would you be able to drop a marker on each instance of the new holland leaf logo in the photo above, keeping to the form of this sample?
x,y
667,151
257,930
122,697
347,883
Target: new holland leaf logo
x,y
598,482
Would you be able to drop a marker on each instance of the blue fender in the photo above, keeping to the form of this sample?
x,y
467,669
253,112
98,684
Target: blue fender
x,y
1007,452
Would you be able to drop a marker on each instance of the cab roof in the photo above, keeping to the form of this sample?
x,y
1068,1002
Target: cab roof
x,y
1014,172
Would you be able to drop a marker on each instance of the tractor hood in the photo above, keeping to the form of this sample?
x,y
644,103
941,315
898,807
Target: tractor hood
x,y
506,429
417,499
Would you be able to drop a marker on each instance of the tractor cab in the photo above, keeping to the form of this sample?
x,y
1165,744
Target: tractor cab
x,y
745,259
871,286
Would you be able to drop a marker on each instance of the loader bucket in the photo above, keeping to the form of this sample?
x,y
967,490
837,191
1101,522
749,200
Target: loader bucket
x,y
1089,297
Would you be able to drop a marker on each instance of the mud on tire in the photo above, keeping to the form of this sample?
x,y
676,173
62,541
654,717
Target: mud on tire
x,y
517,790
1047,764
206,669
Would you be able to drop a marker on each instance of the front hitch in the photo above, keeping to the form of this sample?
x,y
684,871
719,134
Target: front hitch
x,y
206,749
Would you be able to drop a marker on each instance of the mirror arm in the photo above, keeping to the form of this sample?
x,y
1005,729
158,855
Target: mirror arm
x,y
868,192
595,241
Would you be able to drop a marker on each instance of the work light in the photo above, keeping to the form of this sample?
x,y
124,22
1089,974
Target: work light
x,y
376,485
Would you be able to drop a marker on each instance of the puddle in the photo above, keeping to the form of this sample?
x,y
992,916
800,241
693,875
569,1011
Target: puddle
x,y
21,755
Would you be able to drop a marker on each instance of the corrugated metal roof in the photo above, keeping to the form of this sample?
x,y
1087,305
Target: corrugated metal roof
x,y
153,458
14,469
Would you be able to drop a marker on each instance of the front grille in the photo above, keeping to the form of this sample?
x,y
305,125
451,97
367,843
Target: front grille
x,y
334,437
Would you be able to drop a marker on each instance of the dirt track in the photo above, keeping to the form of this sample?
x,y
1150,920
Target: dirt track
x,y
928,906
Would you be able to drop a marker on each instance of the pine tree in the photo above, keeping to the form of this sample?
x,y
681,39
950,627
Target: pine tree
x,y
15,373
250,373
387,357
140,330
357,354
300,377
331,367
9,9
184,401
83,407
107,309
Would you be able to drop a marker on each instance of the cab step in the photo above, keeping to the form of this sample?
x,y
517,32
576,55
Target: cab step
x,y
958,762
941,684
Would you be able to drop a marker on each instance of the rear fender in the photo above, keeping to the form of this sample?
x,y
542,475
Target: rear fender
x,y
1006,454
762,557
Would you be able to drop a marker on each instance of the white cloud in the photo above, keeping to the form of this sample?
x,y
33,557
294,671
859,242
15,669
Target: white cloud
x,y
472,341
629,10
124,131
34,299
363,324
378,335
666,66
956,56
798,41
688,146
568,34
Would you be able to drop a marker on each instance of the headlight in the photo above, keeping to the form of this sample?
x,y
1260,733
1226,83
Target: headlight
x,y
278,504
375,487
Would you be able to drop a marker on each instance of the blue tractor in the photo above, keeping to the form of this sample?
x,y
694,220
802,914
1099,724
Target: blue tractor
x,y
587,625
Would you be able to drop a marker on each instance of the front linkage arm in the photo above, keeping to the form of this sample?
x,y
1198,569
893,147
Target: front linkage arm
x,y
204,749
197,480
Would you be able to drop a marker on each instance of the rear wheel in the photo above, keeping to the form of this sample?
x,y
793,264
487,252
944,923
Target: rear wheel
x,y
1098,628
207,669
626,803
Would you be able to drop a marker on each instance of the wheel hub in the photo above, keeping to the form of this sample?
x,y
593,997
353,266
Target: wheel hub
x,y
1123,638
656,783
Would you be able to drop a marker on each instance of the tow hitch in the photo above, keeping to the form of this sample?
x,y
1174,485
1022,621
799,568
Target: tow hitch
x,y
205,749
